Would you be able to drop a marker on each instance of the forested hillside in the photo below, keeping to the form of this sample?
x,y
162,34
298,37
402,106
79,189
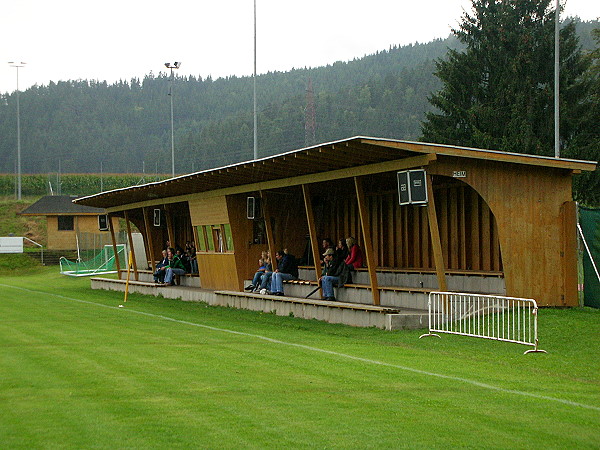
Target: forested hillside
x,y
80,126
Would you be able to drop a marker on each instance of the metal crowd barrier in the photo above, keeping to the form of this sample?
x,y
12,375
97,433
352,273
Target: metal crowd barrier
x,y
499,318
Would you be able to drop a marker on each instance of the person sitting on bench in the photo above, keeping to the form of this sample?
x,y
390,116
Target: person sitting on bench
x,y
175,267
159,274
355,258
264,266
287,269
335,273
341,250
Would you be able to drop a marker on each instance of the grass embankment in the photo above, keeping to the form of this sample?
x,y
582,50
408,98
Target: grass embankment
x,y
77,371
32,227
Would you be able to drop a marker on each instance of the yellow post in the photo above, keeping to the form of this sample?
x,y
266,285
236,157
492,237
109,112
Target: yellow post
x,y
128,273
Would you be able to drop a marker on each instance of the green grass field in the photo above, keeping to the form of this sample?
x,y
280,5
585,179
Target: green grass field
x,y
78,371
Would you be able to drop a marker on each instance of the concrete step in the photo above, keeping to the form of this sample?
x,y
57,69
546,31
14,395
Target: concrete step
x,y
354,314
458,282
361,315
394,297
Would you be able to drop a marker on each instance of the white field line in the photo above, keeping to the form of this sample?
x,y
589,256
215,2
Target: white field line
x,y
320,350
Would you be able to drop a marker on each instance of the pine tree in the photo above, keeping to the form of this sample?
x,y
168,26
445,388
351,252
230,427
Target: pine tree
x,y
586,142
499,92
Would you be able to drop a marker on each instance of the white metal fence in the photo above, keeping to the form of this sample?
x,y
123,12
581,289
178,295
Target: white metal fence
x,y
506,319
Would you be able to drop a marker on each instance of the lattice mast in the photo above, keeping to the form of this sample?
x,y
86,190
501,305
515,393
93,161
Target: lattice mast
x,y
310,122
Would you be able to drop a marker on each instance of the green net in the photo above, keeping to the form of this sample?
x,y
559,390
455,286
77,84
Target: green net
x,y
589,219
100,262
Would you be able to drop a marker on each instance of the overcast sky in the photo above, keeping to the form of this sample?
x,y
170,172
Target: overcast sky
x,y
120,39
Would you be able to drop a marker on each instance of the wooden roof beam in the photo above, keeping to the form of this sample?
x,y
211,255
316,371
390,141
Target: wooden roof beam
x,y
490,155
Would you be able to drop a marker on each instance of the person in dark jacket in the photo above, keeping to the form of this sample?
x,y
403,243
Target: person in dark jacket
x,y
287,269
184,259
159,275
335,273
341,250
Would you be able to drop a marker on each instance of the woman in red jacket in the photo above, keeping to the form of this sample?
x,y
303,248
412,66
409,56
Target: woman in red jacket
x,y
355,258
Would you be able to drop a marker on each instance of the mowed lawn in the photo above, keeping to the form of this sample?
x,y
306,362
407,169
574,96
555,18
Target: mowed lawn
x,y
78,371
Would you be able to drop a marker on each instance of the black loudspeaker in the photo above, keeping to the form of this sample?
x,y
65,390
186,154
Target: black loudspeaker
x,y
157,217
253,207
103,222
412,187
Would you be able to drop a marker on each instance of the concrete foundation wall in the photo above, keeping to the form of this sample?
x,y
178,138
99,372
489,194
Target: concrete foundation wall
x,y
276,305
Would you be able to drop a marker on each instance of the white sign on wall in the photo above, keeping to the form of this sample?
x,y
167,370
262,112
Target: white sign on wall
x,y
11,245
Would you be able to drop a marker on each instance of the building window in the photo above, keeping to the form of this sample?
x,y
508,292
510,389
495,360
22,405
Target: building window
x,y
66,223
215,238
228,237
201,238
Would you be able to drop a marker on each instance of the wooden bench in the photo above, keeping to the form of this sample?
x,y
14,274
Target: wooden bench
x,y
176,278
366,286
480,273
391,288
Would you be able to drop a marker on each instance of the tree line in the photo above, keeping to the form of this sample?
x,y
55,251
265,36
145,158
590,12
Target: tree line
x,y
89,126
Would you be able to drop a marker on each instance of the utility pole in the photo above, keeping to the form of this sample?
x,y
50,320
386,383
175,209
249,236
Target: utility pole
x,y
17,66
254,78
175,65
58,179
557,81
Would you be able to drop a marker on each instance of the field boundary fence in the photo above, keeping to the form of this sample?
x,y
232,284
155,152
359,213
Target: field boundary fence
x,y
507,319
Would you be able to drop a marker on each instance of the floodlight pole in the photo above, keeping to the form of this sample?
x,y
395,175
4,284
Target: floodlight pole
x,y
557,81
17,66
175,65
254,79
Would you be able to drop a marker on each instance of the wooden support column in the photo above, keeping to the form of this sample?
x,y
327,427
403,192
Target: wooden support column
x,y
269,230
149,242
366,231
312,232
170,230
568,255
436,243
114,244
131,247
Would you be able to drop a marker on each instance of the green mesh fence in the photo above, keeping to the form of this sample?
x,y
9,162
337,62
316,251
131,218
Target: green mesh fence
x,y
102,261
589,219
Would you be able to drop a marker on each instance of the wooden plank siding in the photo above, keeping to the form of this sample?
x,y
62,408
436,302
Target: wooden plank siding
x,y
519,211
66,239
401,236
218,271
209,211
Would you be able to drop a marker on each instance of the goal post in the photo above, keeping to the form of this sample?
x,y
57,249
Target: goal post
x,y
103,262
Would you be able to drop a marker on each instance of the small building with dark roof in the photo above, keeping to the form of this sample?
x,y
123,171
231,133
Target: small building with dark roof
x,y
66,220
